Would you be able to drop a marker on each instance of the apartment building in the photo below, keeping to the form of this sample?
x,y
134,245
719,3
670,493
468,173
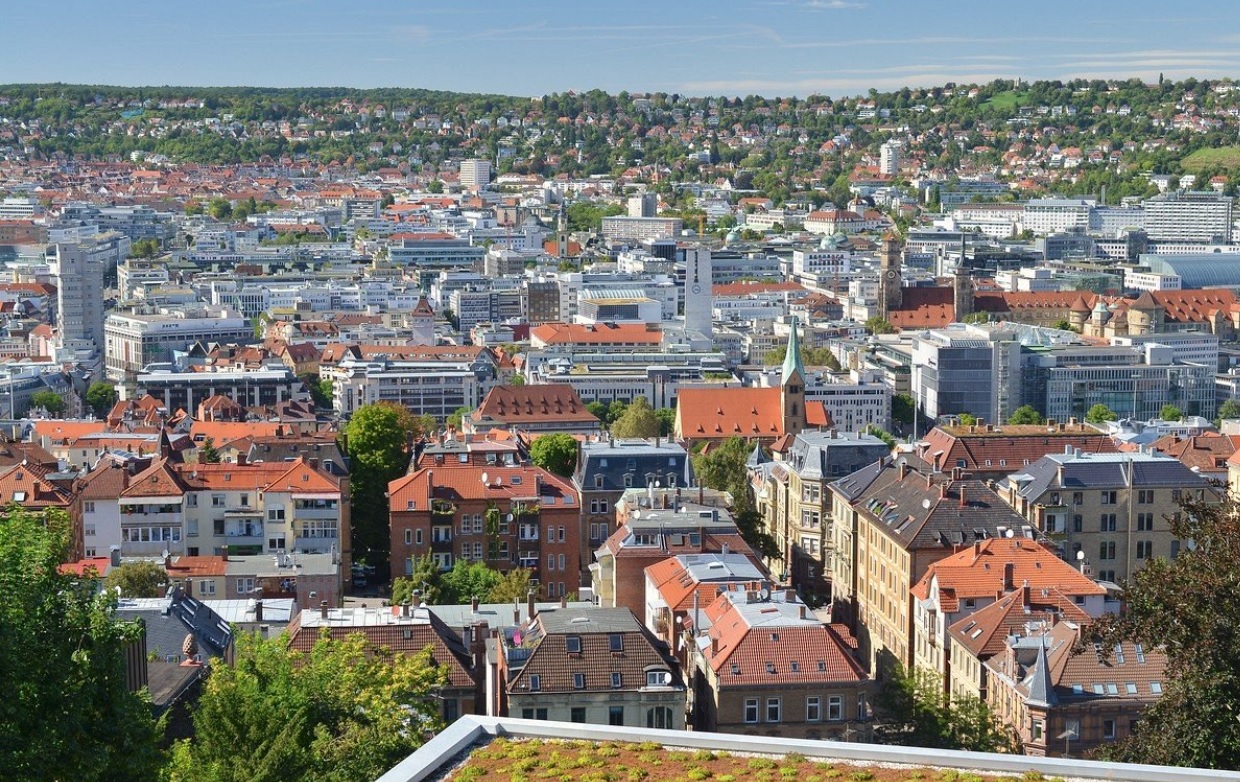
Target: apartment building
x,y
494,510
591,665
891,520
423,386
79,271
607,468
1108,513
267,508
641,229
986,450
795,500
765,665
1201,217
967,582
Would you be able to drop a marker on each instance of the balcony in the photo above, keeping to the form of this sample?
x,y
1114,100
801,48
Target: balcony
x,y
139,514
443,508
319,514
239,528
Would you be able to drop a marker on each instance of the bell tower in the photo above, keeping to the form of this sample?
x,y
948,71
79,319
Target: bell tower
x,y
890,277
792,384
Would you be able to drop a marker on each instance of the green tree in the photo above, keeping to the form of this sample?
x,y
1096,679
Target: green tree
x,y
879,325
516,379
138,579
317,387
597,409
915,711
144,248
343,711
1228,410
193,208
887,437
1025,414
68,713
467,580
1170,412
100,397
49,400
220,208
424,578
207,453
976,317
434,186
379,440
967,419
1174,606
638,420
614,411
514,585
457,416
723,468
556,453
903,408
667,420
1100,413
1064,325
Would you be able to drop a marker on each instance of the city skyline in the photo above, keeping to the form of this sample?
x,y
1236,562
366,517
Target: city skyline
x,y
780,47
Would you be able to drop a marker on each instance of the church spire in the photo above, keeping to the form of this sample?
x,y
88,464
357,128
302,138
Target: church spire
x,y
792,359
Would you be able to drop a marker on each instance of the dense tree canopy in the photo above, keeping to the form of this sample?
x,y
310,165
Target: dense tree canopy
x,y
138,579
100,397
48,400
379,437
1025,414
67,711
1100,413
914,710
555,453
1187,607
344,711
723,468
638,420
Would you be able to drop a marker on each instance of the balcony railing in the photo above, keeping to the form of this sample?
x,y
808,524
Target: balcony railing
x,y
443,508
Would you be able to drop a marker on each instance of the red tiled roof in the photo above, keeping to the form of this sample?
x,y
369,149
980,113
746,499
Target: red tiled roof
x,y
924,308
516,405
715,413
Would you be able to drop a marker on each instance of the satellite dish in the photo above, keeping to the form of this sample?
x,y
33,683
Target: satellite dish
x,y
510,517
485,478
1011,533
637,514
165,554
765,593
925,504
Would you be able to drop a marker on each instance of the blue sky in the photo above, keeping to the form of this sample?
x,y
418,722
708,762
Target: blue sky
x,y
526,47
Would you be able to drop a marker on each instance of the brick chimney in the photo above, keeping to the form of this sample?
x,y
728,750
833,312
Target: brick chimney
x,y
530,610
323,610
1009,573
964,502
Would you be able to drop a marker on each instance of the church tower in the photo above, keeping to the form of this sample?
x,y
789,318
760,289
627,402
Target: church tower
x,y
792,384
890,277
962,292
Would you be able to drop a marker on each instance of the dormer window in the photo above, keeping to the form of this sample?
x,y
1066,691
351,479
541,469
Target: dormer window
x,y
615,642
535,682
572,644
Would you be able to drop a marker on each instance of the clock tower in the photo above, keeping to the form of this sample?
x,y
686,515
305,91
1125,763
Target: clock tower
x,y
890,277
699,279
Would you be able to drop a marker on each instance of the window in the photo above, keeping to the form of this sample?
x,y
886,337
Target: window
x,y
1039,730
579,681
1078,498
813,708
276,543
1077,521
1108,729
1130,688
617,680
598,481
89,506
835,708
534,714
1106,523
772,710
751,710
659,717
1156,688
615,642
658,678
1106,549
535,682
217,500
451,710
577,714
245,585
1145,497
572,644
615,715
1145,549
408,537
417,535
206,588
1108,498
1145,522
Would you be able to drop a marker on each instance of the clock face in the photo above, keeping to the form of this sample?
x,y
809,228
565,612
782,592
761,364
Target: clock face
x,y
891,275
696,289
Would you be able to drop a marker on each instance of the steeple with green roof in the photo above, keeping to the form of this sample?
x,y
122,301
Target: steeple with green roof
x,y
792,359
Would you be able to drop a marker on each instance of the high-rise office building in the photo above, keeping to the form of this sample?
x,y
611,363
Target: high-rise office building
x,y
475,174
698,282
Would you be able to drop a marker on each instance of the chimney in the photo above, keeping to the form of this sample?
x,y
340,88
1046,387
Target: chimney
x,y
564,601
714,646
804,611
530,610
790,595
188,584
957,472
964,502
258,611
323,610
981,424
241,459
115,555
473,604
1051,422
942,491
516,612
1072,421
416,599
167,561
903,470
1009,573
225,550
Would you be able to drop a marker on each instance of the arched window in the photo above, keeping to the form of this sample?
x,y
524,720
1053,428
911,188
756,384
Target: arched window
x,y
659,717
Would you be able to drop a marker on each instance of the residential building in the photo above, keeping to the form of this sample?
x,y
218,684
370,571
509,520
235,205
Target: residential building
x,y
607,468
506,514
79,271
641,229
983,574
986,450
795,500
766,665
1050,693
591,665
891,520
1110,513
1189,217
475,174
133,340
679,588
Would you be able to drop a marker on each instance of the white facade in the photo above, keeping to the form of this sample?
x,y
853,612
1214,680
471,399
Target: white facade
x,y
1056,215
1189,217
475,174
133,341
699,282
1149,281
79,270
